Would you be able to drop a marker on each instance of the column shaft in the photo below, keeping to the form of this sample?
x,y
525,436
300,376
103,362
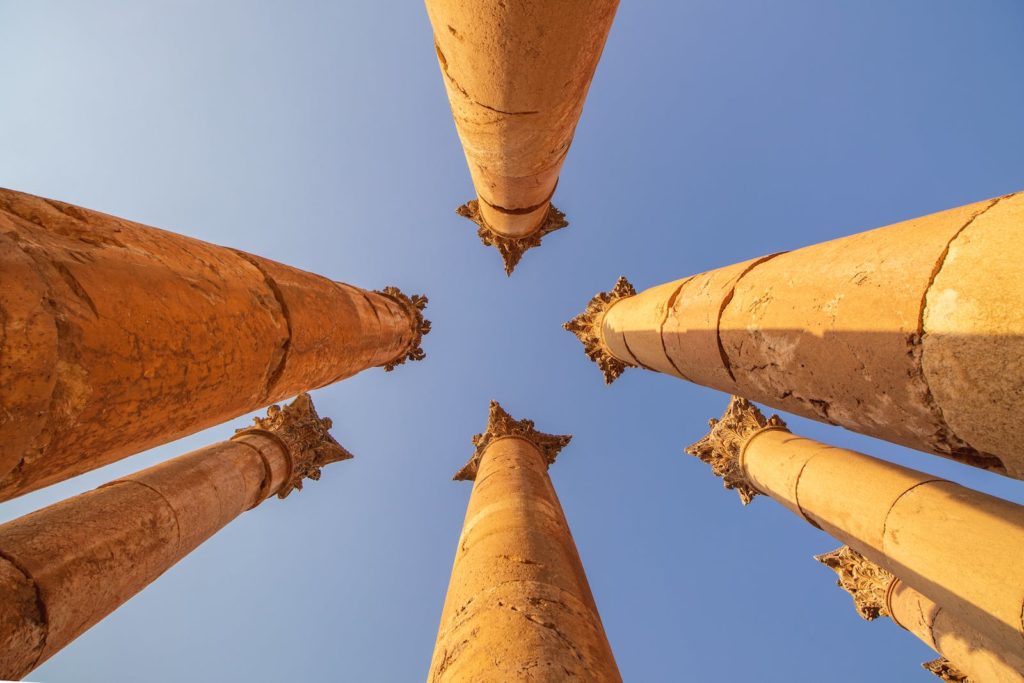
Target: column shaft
x,y
117,337
969,650
960,548
913,333
966,653
67,566
518,604
517,75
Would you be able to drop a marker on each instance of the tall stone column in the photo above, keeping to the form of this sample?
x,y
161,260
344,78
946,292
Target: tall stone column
x,y
965,654
67,566
517,74
518,605
961,548
912,333
116,337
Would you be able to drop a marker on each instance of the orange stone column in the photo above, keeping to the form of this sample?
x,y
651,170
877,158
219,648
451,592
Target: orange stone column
x,y
518,606
67,566
912,333
965,653
517,74
962,549
116,337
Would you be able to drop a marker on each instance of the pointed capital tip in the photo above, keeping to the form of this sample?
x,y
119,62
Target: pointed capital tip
x,y
511,248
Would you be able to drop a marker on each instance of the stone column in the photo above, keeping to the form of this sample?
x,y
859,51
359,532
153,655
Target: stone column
x,y
913,333
961,548
67,566
966,655
117,337
518,605
517,74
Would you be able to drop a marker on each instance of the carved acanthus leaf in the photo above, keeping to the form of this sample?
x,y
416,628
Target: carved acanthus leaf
x,y
866,582
945,670
511,248
414,306
304,433
587,328
500,425
722,446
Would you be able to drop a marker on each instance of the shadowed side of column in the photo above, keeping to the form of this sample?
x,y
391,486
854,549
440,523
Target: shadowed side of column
x,y
912,333
966,654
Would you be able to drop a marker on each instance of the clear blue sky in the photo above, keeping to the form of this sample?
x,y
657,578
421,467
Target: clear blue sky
x,y
318,134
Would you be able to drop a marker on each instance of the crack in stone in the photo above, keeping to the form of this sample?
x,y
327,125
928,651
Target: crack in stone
x,y
451,79
174,512
661,328
44,616
76,287
274,371
946,439
726,301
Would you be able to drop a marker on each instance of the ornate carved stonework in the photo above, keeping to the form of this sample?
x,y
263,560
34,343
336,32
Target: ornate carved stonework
x,y
866,582
587,328
722,446
942,668
499,425
511,248
305,435
420,326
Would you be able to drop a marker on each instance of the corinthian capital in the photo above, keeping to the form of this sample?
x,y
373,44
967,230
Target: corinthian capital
x,y
414,306
866,582
502,425
722,446
304,434
511,248
587,328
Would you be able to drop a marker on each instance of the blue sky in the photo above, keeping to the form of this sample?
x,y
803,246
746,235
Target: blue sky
x,y
318,134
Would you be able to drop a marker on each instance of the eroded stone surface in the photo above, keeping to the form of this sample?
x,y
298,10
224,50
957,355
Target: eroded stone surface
x,y
958,547
911,333
518,604
67,566
517,75
973,344
117,337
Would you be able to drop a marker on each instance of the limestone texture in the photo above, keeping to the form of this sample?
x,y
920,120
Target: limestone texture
x,y
960,548
517,74
966,654
65,567
117,337
519,607
912,333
